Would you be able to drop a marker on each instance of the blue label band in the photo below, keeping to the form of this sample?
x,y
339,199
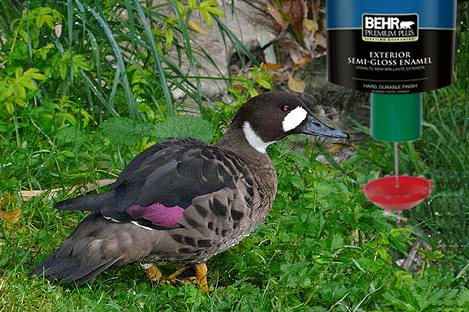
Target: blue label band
x,y
433,14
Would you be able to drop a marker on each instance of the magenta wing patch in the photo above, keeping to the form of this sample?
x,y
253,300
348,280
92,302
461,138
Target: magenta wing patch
x,y
157,214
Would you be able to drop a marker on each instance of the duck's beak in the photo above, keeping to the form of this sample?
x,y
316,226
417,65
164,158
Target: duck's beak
x,y
315,127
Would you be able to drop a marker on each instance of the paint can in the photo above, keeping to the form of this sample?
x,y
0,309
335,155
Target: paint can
x,y
391,47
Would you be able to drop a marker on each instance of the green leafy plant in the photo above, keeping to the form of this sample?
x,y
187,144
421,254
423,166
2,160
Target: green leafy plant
x,y
248,87
126,131
16,90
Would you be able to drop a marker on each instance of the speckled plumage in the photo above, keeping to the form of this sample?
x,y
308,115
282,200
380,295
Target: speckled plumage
x,y
182,200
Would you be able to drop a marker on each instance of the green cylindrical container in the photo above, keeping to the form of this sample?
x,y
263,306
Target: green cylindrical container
x,y
397,117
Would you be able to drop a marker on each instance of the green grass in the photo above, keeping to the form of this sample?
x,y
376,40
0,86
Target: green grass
x,y
323,247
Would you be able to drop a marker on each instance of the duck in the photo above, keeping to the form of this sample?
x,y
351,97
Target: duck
x,y
183,200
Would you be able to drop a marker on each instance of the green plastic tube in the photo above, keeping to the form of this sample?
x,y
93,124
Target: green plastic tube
x,y
396,117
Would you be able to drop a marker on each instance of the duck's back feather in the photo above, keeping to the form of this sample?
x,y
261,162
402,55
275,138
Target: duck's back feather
x,y
162,181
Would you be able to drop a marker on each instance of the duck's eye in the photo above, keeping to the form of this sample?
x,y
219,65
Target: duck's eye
x,y
285,107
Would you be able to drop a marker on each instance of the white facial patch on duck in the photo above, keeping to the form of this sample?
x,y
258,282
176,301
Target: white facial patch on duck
x,y
253,139
294,118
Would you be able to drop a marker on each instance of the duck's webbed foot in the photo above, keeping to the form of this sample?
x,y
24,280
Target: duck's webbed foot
x,y
154,274
152,271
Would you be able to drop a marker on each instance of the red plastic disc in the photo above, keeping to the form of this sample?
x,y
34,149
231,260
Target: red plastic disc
x,y
410,192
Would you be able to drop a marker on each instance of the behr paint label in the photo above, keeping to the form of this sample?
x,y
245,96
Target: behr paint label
x,y
390,28
391,46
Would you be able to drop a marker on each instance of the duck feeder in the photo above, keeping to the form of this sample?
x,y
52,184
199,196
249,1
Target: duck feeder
x,y
394,50
385,194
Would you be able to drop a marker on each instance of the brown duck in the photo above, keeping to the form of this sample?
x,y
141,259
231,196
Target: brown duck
x,y
182,200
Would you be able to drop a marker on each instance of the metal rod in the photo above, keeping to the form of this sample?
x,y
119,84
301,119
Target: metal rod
x,y
396,164
396,169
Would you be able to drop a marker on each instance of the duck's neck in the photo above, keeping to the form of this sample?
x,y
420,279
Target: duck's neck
x,y
236,141
243,141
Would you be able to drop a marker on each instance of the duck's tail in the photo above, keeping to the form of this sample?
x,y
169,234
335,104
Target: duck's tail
x,y
93,202
82,256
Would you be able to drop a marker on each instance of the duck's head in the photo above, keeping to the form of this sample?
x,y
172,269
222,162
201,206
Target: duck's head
x,y
271,116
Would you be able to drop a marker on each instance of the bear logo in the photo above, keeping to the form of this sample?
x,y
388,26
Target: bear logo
x,y
406,25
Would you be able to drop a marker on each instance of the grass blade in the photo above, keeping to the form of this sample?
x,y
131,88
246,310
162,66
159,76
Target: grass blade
x,y
188,50
237,43
70,35
156,57
133,108
98,94
96,56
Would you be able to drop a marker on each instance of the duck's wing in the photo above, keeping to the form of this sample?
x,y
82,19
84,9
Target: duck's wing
x,y
160,183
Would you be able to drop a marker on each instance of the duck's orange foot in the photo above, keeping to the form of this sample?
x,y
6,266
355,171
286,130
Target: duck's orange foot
x,y
151,271
200,278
